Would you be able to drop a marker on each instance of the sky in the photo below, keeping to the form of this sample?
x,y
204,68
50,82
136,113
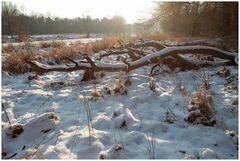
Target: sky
x,y
131,10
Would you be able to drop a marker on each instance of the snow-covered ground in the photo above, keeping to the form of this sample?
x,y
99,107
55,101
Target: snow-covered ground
x,y
66,41
144,119
49,37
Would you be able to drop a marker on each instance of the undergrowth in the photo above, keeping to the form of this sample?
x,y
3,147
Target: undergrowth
x,y
14,57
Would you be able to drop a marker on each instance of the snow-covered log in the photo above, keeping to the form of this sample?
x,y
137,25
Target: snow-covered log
x,y
95,66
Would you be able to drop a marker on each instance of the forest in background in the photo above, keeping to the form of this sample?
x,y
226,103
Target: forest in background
x,y
185,18
15,22
197,18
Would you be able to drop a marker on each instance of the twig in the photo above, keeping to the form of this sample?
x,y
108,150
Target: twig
x,y
10,157
89,117
120,42
76,64
169,109
10,125
55,143
125,62
151,146
49,97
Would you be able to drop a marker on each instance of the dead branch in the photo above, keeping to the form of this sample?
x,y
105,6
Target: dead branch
x,y
173,62
139,52
125,62
185,64
153,69
133,53
132,48
74,62
120,42
113,53
89,59
144,44
153,58
8,119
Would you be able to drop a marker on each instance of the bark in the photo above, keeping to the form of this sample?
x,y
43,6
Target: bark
x,y
88,75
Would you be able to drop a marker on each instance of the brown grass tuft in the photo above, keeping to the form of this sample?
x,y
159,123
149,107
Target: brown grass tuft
x,y
15,62
54,44
201,109
120,85
8,48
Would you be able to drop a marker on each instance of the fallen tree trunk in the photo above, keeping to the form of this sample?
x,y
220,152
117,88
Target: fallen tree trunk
x,y
153,58
172,51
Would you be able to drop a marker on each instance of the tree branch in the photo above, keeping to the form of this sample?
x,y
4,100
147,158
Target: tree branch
x,y
89,60
76,64
146,60
143,44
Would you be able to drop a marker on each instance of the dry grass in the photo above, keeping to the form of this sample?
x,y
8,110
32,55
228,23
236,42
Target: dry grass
x,y
60,53
205,78
14,58
204,102
121,84
54,44
7,49
201,109
95,93
16,55
106,43
163,37
15,62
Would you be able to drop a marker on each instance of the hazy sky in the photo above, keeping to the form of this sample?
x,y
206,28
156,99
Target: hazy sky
x,y
131,10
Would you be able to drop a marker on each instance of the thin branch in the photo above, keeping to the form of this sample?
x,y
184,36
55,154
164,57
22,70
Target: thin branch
x,y
10,125
125,62
120,42
89,60
113,53
74,62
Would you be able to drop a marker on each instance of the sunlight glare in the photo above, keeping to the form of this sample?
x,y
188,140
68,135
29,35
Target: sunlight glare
x,y
131,10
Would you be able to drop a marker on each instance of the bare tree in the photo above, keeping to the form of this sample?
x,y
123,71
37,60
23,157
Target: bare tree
x,y
197,18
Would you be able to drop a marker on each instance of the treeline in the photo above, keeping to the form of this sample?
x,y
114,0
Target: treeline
x,y
197,18
14,22
186,18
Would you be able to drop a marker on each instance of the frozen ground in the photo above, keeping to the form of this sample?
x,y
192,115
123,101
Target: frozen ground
x,y
66,41
49,37
143,120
